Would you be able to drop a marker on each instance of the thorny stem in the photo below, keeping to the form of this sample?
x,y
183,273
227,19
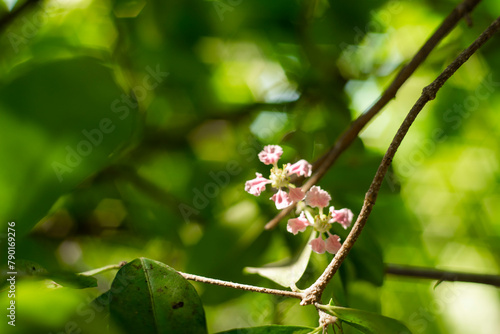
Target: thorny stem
x,y
313,293
324,163
239,286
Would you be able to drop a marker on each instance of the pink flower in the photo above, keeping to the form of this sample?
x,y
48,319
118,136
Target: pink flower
x,y
281,200
270,154
342,216
296,194
297,225
257,185
318,245
316,197
333,244
301,168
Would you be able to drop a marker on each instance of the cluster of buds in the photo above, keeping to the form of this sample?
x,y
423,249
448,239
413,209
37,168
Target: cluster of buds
x,y
312,203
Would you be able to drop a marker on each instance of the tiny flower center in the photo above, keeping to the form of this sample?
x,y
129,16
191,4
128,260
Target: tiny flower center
x,y
279,178
321,223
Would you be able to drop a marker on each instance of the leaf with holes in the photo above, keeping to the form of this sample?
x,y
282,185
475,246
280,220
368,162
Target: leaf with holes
x,y
31,269
147,296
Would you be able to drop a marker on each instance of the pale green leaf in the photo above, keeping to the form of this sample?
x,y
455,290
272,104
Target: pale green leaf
x,y
286,274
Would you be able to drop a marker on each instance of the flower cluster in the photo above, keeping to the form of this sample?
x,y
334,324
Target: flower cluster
x,y
315,198
279,178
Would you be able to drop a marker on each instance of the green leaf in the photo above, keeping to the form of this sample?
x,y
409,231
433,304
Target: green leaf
x,y
150,297
24,269
286,274
367,322
28,268
273,329
72,280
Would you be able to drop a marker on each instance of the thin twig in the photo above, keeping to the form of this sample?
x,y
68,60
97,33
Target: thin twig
x,y
103,269
441,275
239,286
313,293
324,163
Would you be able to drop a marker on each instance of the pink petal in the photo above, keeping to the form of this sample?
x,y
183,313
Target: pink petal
x,y
343,216
270,154
257,185
296,194
318,245
316,197
281,200
297,225
301,168
333,244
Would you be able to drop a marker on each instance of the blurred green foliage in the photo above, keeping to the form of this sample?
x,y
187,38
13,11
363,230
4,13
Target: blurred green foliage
x,y
129,129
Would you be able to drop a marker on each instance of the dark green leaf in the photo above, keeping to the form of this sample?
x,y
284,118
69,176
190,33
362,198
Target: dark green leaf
x,y
149,297
273,329
367,322
72,280
28,268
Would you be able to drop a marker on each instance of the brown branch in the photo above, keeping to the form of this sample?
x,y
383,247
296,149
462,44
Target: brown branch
x,y
391,269
239,286
441,275
313,293
324,163
9,17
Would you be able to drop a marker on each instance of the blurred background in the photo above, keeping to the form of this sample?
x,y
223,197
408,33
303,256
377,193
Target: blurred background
x,y
129,128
